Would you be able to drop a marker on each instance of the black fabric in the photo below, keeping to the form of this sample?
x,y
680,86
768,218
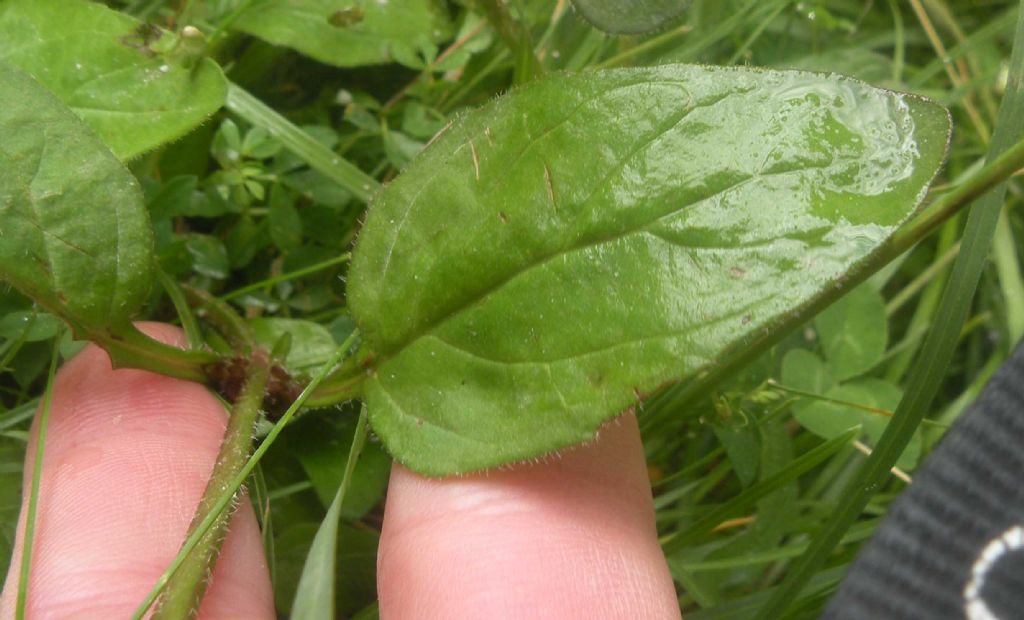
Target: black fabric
x,y
951,546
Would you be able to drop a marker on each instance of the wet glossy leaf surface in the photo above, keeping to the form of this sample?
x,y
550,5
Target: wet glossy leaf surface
x,y
103,65
630,16
74,234
560,253
348,34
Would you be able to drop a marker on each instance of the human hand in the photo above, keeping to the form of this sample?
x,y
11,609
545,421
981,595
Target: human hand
x,y
128,455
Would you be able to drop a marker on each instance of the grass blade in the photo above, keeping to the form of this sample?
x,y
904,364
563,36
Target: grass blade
x,y
314,597
33,498
319,157
700,528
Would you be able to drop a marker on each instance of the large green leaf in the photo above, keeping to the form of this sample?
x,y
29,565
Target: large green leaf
x,y
630,16
589,238
74,233
348,33
103,65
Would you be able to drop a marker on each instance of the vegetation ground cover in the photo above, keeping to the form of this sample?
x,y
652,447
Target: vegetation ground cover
x,y
259,205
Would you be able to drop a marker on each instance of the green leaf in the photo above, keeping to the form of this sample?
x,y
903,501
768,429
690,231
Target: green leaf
x,y
75,234
354,586
854,332
829,419
741,443
284,221
360,32
318,441
630,16
312,343
39,326
314,596
107,68
563,251
209,256
803,370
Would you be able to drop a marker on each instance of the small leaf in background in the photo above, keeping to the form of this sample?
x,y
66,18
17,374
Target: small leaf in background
x,y
341,328
39,326
475,38
400,148
311,299
803,370
284,220
209,256
625,247
259,144
830,419
245,239
854,332
174,257
99,63
76,236
325,438
328,226
741,443
227,144
312,343
630,16
181,196
366,32
421,122
31,363
321,190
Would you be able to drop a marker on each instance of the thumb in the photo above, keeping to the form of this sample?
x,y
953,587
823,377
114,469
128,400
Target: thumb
x,y
126,460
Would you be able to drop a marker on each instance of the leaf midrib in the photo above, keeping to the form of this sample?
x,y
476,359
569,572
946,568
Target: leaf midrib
x,y
431,328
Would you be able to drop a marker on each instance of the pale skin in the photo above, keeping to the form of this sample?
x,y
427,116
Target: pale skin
x,y
127,458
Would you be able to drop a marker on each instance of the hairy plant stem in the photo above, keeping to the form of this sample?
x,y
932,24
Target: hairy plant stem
x,y
225,499
186,587
222,316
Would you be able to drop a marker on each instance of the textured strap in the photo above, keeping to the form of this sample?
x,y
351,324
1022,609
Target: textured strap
x,y
952,545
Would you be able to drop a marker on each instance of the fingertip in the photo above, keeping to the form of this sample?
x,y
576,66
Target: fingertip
x,y
572,537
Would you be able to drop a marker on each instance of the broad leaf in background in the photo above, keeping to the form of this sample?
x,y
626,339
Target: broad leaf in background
x,y
74,234
630,16
562,251
854,332
323,437
311,343
348,34
831,419
102,64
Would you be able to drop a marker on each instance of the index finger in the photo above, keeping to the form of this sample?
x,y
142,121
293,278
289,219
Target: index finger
x,y
573,537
